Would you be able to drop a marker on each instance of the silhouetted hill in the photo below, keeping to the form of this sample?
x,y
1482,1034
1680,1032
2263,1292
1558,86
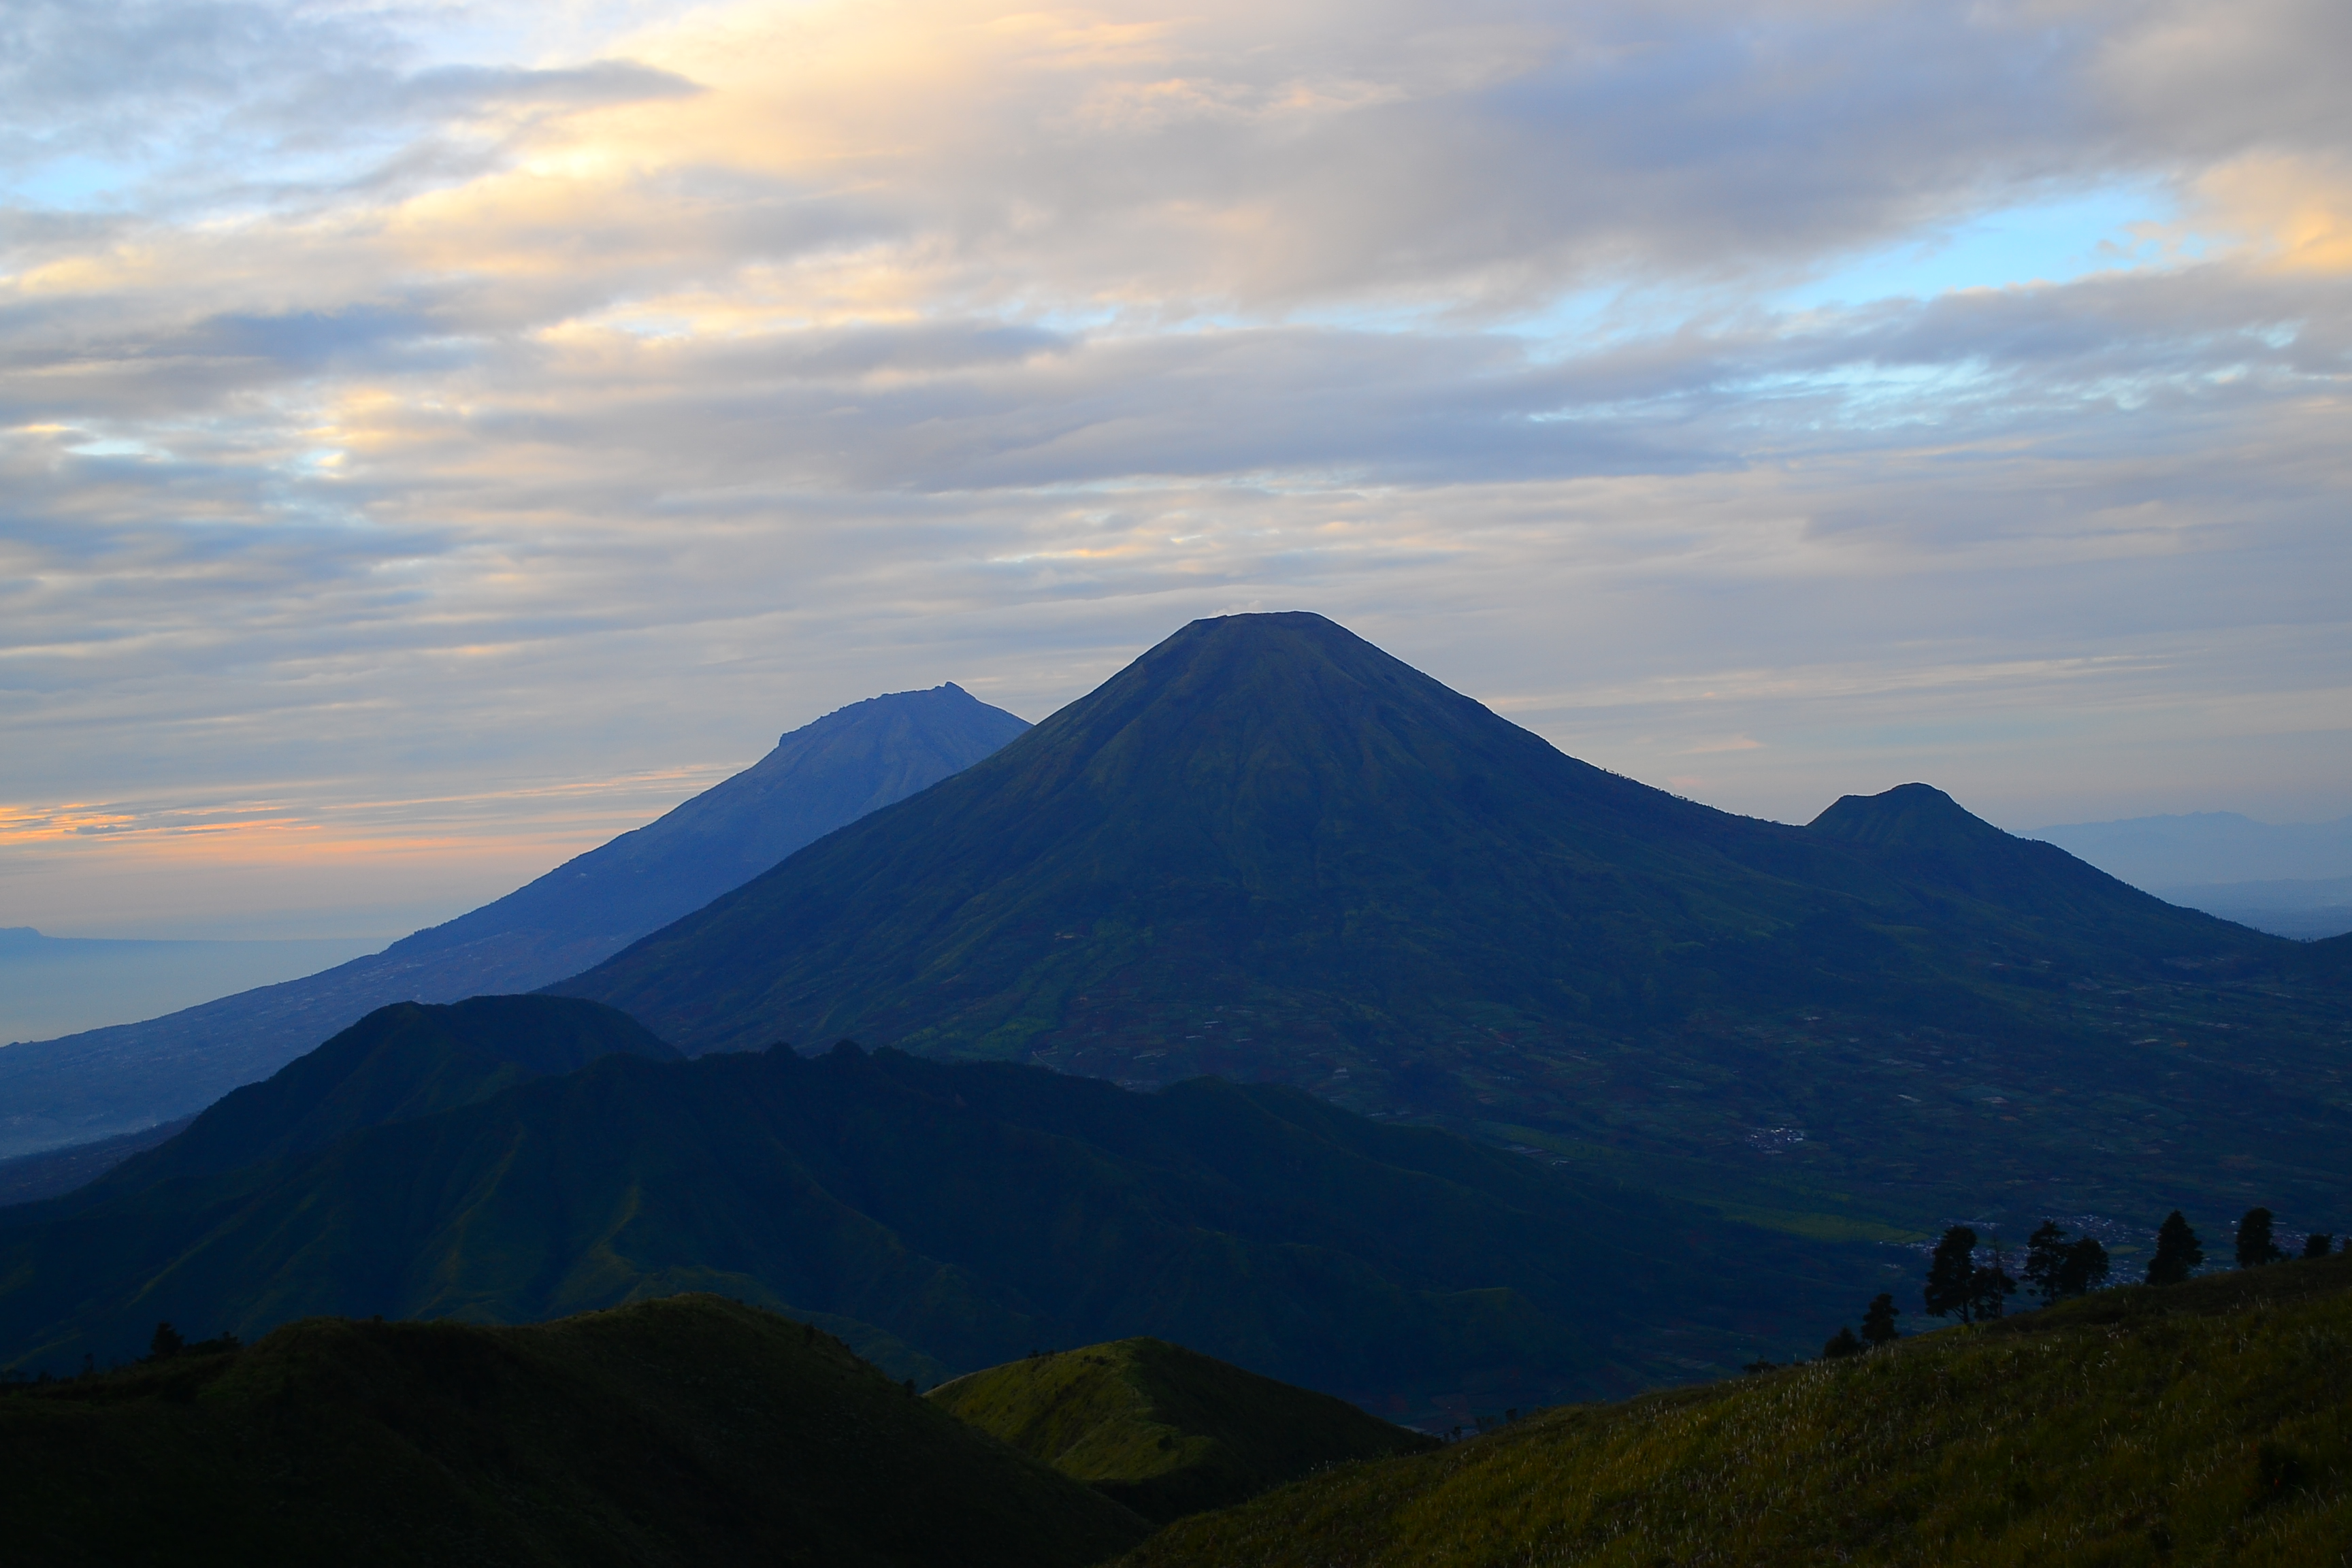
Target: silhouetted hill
x,y
400,1062
1923,836
1165,1430
1268,850
2196,1422
95,1085
967,1214
692,1430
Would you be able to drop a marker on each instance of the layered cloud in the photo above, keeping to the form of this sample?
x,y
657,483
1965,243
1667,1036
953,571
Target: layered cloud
x,y
422,404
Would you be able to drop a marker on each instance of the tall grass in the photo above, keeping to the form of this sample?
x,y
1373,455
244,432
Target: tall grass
x,y
2205,1422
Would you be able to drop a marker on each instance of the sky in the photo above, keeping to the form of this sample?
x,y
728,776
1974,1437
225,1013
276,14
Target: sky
x,y
436,438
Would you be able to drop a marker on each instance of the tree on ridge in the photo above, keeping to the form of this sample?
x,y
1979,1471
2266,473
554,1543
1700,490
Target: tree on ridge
x,y
1951,1273
2058,1269
2178,1254
1878,1323
1958,1284
2255,1246
2083,1268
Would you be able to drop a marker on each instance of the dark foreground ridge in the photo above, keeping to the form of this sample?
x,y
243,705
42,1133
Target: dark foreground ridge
x,y
941,1218
1268,850
105,1082
1166,1430
2196,1422
687,1430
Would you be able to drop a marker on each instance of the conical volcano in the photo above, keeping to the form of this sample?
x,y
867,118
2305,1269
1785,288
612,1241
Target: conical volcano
x,y
1267,812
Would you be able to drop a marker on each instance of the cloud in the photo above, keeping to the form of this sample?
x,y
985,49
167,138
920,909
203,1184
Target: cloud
x,y
407,406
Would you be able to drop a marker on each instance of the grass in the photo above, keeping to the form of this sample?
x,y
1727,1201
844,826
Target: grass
x,y
1165,1430
2203,1423
689,1430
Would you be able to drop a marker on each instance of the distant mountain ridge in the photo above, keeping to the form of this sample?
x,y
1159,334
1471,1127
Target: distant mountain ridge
x,y
81,1087
935,1216
408,1060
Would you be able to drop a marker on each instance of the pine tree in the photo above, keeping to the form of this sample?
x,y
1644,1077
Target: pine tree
x,y
1878,1323
1952,1275
166,1343
2178,1254
2316,1244
2255,1246
1843,1343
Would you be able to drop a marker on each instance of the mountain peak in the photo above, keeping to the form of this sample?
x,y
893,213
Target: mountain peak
x,y
1911,816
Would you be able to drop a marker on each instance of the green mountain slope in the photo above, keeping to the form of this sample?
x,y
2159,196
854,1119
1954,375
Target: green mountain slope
x,y
2201,1423
969,1213
1269,851
1165,1430
692,1430
82,1088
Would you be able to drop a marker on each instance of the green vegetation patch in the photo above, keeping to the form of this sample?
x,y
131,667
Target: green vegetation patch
x,y
688,1430
2199,1423
1166,1430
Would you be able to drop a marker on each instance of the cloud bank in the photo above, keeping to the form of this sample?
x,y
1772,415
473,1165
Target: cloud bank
x,y
433,439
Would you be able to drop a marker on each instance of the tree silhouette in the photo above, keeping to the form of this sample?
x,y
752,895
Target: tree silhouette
x,y
1878,1323
2058,1269
2177,1256
1952,1275
1960,1287
166,1343
2316,1244
2046,1255
1843,1343
1990,1286
2083,1268
2255,1246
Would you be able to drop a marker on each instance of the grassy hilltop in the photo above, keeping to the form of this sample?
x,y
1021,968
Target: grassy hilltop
x,y
689,1430
2201,1422
1166,1430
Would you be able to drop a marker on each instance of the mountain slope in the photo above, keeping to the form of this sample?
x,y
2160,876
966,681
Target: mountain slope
x,y
103,1082
689,1430
400,1062
1269,851
1165,1430
970,1212
2199,1423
